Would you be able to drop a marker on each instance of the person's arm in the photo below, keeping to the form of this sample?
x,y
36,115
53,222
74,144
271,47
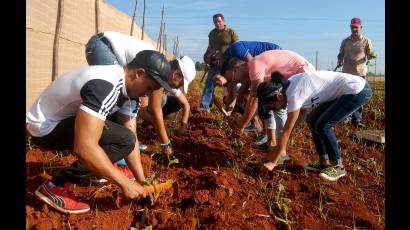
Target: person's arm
x,y
340,55
145,115
287,130
251,105
248,57
231,97
154,106
370,52
134,159
186,109
88,131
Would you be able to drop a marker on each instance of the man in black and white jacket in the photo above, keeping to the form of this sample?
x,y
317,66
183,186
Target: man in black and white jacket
x,y
72,112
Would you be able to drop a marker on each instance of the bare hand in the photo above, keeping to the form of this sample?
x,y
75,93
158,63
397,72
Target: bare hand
x,y
168,151
182,130
132,190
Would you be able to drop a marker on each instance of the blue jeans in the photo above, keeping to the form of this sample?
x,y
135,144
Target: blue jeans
x,y
357,115
209,89
328,114
276,121
98,51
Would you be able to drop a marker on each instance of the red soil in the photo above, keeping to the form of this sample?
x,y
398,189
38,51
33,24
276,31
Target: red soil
x,y
208,194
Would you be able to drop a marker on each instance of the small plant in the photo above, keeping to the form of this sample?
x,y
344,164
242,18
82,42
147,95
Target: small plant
x,y
235,167
361,195
378,215
173,161
292,141
322,201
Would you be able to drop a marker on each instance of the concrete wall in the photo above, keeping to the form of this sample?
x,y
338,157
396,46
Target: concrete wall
x,y
78,25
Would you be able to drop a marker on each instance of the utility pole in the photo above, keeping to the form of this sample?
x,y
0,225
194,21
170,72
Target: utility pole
x,y
317,54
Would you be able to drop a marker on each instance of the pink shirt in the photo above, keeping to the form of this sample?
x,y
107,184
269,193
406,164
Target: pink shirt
x,y
288,63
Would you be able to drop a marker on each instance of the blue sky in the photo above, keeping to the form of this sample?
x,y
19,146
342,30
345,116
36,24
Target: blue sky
x,y
304,26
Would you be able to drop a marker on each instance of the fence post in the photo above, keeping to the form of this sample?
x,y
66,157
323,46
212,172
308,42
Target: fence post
x,y
143,20
133,18
57,38
97,16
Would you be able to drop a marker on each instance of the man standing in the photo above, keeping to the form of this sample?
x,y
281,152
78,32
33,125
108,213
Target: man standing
x,y
220,38
73,113
356,52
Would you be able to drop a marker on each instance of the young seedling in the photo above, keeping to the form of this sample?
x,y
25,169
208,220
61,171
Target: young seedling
x,y
173,161
378,215
361,195
235,167
322,198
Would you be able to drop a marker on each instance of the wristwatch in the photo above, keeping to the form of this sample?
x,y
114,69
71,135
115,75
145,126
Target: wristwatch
x,y
166,145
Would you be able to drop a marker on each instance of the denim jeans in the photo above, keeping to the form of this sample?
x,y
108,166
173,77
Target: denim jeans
x,y
277,121
328,114
357,115
209,89
98,51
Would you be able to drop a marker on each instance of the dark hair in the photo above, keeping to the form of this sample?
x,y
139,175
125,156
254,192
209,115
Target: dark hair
x,y
267,90
218,15
174,64
229,64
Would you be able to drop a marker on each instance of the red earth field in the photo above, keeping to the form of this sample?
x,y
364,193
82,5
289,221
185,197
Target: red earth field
x,y
219,184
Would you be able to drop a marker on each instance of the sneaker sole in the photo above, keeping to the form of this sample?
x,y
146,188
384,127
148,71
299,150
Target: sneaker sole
x,y
52,204
261,142
326,177
282,160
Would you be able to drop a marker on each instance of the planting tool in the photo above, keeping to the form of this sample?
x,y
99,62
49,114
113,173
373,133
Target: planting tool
x,y
220,107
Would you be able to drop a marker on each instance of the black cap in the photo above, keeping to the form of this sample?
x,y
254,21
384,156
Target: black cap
x,y
155,64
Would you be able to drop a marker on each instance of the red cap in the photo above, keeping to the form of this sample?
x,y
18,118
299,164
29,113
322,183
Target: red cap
x,y
355,22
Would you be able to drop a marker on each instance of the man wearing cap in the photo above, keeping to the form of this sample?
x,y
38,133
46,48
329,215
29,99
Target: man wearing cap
x,y
356,52
113,47
73,113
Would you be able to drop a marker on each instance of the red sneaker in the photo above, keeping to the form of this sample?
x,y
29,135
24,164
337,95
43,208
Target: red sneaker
x,y
61,198
125,171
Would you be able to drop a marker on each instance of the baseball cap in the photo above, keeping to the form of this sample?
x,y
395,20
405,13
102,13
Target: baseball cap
x,y
155,64
355,22
187,67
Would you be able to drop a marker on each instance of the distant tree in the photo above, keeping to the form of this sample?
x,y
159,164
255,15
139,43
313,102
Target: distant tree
x,y
199,66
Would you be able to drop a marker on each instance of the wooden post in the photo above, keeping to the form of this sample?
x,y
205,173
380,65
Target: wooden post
x,y
97,16
160,29
133,17
56,39
317,54
163,38
143,20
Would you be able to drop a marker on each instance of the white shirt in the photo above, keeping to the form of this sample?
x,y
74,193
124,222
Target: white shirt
x,y
309,89
126,47
98,90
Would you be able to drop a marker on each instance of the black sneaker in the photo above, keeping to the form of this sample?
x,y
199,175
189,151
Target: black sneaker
x,y
314,166
333,173
266,147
